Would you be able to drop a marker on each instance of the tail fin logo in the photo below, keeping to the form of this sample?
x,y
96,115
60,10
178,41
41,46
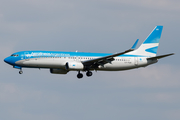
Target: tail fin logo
x,y
155,35
152,50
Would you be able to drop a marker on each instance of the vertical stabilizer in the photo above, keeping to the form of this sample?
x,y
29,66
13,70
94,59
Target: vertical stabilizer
x,y
150,45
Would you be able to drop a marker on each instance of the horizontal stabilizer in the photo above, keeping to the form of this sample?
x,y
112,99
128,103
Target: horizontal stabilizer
x,y
135,44
159,57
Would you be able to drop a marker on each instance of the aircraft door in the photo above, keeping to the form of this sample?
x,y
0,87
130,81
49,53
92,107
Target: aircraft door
x,y
136,61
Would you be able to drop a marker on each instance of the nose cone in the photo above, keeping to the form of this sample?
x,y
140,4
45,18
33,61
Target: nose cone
x,y
7,60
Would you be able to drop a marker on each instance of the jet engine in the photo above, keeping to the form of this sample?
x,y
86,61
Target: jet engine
x,y
74,66
58,71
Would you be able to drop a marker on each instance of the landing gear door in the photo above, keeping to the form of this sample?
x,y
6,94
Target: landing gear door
x,y
136,61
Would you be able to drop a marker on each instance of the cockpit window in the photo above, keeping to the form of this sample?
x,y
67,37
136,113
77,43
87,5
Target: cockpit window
x,y
15,55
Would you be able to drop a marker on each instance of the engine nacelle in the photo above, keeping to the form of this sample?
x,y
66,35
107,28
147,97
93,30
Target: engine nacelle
x,y
58,71
74,66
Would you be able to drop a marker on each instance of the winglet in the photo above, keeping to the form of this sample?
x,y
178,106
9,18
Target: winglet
x,y
135,44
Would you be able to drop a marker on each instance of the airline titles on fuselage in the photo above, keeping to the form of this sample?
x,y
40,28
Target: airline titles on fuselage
x,y
47,54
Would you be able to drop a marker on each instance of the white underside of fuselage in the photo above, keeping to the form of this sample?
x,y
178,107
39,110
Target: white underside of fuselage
x,y
120,63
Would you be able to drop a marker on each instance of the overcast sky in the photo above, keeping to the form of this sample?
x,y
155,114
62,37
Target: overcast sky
x,y
109,26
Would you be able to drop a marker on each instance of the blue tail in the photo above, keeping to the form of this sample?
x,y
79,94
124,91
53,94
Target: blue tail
x,y
150,45
154,36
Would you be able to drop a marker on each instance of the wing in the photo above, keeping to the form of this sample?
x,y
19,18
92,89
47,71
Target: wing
x,y
106,59
94,63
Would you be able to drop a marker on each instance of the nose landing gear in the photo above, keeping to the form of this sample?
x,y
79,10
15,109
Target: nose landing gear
x,y
20,72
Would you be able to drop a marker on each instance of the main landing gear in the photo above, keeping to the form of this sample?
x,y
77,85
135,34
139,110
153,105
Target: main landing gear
x,y
89,73
80,75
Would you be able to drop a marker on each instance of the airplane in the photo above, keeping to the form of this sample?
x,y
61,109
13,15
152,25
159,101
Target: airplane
x,y
60,62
